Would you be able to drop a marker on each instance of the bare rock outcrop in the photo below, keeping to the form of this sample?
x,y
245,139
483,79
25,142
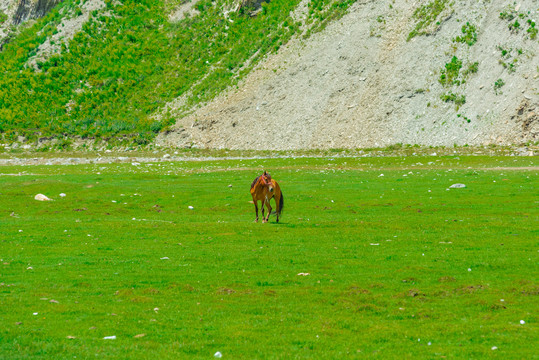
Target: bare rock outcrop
x,y
32,9
16,12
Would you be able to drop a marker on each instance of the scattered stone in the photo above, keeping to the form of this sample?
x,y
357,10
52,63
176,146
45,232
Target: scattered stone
x,y
41,197
457,186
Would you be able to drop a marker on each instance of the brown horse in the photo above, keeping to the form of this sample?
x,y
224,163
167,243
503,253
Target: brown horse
x,y
263,189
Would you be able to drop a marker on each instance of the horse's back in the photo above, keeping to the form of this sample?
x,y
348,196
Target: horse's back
x,y
257,192
275,185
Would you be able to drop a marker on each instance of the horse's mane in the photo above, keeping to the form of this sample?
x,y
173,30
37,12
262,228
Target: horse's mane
x,y
258,177
255,181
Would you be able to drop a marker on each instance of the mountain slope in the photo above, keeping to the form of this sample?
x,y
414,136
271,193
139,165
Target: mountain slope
x,y
282,74
468,76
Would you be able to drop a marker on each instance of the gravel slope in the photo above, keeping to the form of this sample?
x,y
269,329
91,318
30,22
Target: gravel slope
x,y
360,83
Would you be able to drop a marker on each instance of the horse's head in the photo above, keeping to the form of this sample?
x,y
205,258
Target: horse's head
x,y
266,180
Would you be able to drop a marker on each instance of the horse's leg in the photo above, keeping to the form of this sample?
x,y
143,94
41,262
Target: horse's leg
x,y
269,209
263,216
256,209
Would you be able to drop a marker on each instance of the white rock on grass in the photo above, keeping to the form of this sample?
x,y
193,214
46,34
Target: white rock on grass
x,y
41,197
457,186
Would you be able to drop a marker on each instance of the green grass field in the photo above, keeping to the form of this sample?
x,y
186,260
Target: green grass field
x,y
398,265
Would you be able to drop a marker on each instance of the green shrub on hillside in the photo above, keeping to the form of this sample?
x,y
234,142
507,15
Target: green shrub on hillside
x,y
532,30
498,84
471,69
469,35
426,15
450,74
322,12
458,100
3,17
510,13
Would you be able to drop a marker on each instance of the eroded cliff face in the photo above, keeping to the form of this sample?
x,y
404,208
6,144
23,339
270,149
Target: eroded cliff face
x,y
32,9
16,12
7,10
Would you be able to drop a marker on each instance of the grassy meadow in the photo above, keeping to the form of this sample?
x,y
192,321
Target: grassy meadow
x,y
374,257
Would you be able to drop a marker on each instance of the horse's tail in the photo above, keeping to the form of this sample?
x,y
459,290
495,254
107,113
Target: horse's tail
x,y
281,205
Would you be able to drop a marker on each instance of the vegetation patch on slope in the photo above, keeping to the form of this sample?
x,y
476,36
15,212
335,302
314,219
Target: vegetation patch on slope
x,y
427,15
129,60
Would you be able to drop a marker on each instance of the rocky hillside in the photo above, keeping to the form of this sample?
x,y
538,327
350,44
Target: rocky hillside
x,y
393,71
245,74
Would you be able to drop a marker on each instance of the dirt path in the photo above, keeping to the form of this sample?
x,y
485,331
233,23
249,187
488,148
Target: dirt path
x,y
321,167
